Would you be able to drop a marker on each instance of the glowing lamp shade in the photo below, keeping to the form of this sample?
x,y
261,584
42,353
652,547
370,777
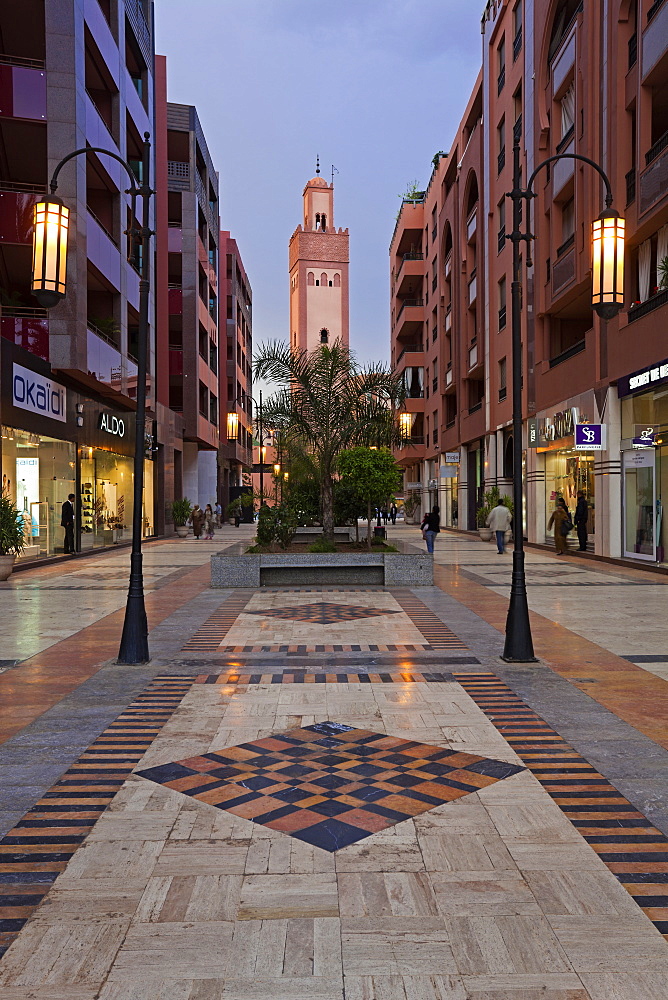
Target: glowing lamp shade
x,y
405,425
277,469
608,264
49,258
232,426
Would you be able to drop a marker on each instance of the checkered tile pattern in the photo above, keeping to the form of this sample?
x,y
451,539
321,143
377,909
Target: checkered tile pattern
x,y
329,784
323,613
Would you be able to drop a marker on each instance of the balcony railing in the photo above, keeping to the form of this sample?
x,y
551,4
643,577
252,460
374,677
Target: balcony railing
x,y
448,377
475,407
654,9
471,223
7,60
631,186
566,245
501,81
409,304
413,255
633,49
410,349
434,385
501,239
501,160
649,305
657,148
566,138
517,129
569,353
473,356
503,392
448,263
473,288
502,317
414,439
448,319
517,44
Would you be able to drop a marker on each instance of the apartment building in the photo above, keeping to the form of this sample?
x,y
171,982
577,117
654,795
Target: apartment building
x,y
74,75
561,77
192,247
235,455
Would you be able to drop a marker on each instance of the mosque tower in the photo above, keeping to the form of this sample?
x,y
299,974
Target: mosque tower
x,y
319,258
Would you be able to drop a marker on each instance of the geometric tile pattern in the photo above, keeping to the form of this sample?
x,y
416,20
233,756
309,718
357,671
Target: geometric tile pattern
x,y
438,635
302,677
42,843
210,635
330,784
323,613
634,850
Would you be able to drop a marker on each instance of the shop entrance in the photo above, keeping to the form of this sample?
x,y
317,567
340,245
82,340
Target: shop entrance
x,y
640,507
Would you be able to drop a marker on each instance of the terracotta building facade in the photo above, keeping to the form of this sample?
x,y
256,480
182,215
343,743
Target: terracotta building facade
x,y
561,77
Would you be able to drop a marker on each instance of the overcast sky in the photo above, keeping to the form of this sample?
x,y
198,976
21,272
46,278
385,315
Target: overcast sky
x,y
375,87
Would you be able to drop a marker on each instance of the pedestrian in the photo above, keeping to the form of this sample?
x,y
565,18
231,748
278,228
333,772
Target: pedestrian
x,y
561,520
580,520
208,522
197,518
385,515
431,526
67,522
498,520
238,514
219,515
393,513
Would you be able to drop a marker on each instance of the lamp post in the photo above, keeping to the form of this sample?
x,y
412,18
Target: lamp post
x,y
607,300
49,286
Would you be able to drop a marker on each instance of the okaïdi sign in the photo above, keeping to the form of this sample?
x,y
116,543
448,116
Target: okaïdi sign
x,y
112,425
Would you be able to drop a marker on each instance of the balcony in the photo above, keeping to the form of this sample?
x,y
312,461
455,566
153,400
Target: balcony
x,y
448,377
517,44
501,81
567,354
410,318
175,297
23,89
137,18
653,182
448,264
178,175
501,239
175,361
655,37
648,306
473,356
16,216
502,318
633,50
631,186
656,149
27,328
503,392
517,129
471,224
411,349
501,160
411,442
448,319
105,361
566,245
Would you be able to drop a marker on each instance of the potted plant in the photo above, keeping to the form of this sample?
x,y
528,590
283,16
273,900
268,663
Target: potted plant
x,y
411,504
181,511
12,539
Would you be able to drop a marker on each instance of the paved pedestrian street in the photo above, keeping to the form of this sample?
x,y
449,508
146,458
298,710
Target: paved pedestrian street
x,y
327,793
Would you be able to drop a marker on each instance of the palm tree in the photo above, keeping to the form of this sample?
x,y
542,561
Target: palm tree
x,y
328,402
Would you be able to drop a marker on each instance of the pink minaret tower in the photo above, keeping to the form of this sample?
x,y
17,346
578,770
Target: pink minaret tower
x,y
319,258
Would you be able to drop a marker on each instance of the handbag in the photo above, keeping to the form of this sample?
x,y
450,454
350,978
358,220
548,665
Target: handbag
x,y
566,525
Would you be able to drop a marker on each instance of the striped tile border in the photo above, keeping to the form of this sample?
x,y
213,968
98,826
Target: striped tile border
x,y
302,677
209,636
634,851
42,843
325,648
438,635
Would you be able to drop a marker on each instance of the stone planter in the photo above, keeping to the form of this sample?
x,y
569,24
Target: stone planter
x,y
181,530
485,534
6,566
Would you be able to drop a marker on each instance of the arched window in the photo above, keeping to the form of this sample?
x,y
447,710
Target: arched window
x,y
324,336
317,220
323,279
310,280
337,281
323,221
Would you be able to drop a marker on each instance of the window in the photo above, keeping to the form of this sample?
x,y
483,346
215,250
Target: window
x,y
324,336
213,357
337,281
567,220
317,220
501,233
203,400
323,222
323,279
517,29
309,278
213,409
501,144
501,64
502,303
503,388
203,342
567,111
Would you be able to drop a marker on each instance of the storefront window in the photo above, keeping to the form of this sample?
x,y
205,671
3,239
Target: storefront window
x,y
107,500
38,473
645,475
566,472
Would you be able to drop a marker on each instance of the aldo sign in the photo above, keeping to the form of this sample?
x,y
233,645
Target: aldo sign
x,y
112,425
38,394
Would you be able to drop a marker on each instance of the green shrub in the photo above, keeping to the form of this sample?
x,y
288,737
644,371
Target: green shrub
x,y
322,545
12,539
181,510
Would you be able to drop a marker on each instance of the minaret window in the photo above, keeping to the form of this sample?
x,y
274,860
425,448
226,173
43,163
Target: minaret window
x,y
337,281
310,280
323,280
323,222
324,336
317,220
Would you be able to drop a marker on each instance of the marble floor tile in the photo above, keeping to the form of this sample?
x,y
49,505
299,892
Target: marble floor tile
x,y
396,946
631,943
286,896
648,984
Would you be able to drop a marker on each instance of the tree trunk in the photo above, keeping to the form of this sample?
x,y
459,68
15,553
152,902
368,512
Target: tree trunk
x,y
368,529
327,508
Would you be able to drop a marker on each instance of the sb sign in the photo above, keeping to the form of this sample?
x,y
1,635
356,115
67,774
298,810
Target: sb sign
x,y
589,437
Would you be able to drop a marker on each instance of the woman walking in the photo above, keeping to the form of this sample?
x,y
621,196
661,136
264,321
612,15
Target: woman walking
x,y
197,518
561,519
209,522
431,525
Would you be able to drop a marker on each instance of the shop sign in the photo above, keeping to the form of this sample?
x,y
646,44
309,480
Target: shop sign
x,y
533,440
452,458
448,471
112,425
638,459
645,436
413,486
589,437
653,376
38,394
560,425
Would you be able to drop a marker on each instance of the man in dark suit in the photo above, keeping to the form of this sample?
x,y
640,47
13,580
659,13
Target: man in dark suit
x,y
67,522
580,520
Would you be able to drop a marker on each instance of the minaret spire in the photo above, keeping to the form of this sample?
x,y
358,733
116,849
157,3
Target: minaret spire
x,y
317,164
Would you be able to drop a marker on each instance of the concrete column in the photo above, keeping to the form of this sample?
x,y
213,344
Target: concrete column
x,y
190,479
462,490
207,478
608,480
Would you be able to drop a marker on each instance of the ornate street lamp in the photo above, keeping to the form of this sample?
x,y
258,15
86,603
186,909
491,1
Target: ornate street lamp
x,y
51,220
232,426
607,300
51,224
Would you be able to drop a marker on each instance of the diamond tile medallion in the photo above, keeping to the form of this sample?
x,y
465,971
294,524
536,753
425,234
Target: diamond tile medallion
x,y
329,784
323,613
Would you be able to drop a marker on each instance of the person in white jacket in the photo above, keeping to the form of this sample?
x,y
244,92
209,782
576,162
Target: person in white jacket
x,y
498,520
